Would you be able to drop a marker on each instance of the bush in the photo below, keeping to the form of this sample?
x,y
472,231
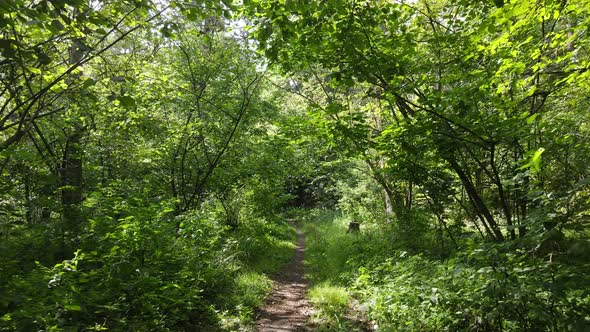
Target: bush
x,y
480,287
147,271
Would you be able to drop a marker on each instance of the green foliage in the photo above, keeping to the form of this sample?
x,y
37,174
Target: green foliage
x,y
147,151
360,197
443,99
483,286
266,245
252,289
331,302
330,260
144,274
319,247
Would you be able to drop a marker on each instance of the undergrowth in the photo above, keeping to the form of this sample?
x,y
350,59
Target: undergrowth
x,y
149,272
330,303
328,248
478,287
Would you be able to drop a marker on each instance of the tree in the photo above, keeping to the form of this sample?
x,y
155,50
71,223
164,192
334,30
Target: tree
x,y
459,74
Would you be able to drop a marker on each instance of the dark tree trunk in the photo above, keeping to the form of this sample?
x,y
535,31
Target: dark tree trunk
x,y
477,201
71,191
502,193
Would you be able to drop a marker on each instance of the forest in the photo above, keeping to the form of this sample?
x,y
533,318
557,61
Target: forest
x,y
160,159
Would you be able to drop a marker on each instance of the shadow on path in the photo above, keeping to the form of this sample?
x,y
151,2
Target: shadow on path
x,y
287,308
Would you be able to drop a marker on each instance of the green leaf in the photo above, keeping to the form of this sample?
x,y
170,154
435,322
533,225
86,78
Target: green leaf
x,y
88,83
34,70
532,118
126,101
73,307
536,160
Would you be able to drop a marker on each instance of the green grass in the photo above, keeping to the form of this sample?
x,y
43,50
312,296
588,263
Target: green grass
x,y
328,298
252,288
329,252
264,247
409,287
330,303
332,254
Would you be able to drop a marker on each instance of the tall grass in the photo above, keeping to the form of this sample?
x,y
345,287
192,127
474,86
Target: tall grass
x,y
331,256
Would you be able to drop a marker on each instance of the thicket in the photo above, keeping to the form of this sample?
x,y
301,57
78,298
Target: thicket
x,y
140,179
140,273
476,286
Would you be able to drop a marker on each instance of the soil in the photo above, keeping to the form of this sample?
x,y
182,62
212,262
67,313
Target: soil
x,y
287,308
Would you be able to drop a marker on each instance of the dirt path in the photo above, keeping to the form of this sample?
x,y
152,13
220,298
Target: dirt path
x,y
287,309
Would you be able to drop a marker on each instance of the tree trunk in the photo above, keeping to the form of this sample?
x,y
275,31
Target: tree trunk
x,y
28,200
71,172
503,196
388,205
71,191
476,199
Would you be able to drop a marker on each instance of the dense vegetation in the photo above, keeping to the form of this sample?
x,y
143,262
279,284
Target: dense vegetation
x,y
150,153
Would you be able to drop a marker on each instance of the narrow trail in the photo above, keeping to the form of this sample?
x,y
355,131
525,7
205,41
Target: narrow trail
x,y
287,308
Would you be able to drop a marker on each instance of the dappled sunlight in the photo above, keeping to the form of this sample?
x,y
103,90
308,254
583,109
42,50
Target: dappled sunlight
x,y
317,165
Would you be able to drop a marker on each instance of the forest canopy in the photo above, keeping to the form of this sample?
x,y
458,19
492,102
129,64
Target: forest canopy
x,y
152,151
